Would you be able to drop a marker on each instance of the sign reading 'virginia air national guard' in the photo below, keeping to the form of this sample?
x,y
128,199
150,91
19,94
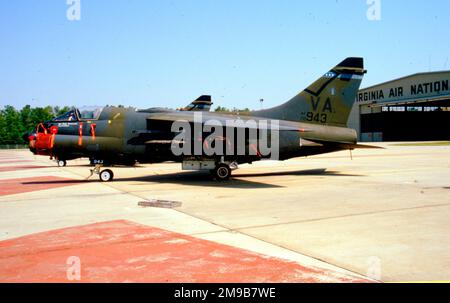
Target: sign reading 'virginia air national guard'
x,y
415,87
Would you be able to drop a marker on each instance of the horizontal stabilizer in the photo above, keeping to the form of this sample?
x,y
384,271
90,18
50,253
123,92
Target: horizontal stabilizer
x,y
352,63
357,146
204,98
202,104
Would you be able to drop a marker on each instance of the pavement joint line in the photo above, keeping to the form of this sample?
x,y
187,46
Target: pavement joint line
x,y
242,230
239,229
379,182
296,252
374,156
422,282
44,198
226,229
374,178
239,178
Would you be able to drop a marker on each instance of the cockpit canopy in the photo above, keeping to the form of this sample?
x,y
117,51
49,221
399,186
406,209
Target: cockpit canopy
x,y
69,116
84,113
90,113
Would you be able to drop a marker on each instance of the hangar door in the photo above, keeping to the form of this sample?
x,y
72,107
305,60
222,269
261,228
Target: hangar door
x,y
409,123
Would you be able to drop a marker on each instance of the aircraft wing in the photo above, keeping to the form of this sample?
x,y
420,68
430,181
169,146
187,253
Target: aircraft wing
x,y
356,145
237,121
159,125
341,145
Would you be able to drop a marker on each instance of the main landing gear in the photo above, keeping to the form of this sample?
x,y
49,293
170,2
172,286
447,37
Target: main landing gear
x,y
222,171
105,175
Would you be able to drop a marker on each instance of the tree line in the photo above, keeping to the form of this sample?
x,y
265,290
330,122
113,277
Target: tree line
x,y
14,123
223,109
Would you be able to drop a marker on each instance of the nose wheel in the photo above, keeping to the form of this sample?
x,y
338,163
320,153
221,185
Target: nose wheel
x,y
61,163
105,175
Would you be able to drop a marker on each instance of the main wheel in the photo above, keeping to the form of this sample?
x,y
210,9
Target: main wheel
x,y
222,172
62,163
106,175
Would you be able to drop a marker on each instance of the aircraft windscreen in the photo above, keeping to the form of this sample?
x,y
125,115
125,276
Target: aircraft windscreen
x,y
69,116
90,113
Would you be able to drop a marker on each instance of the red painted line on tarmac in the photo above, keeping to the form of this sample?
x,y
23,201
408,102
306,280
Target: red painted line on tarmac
x,y
14,161
24,185
123,251
10,157
20,167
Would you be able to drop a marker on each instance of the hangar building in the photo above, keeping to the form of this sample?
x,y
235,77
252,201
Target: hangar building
x,y
412,108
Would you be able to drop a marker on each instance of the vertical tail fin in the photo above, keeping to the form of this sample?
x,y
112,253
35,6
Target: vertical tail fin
x,y
327,101
202,103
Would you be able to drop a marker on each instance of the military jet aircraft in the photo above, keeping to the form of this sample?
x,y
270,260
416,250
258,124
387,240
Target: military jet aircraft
x,y
312,122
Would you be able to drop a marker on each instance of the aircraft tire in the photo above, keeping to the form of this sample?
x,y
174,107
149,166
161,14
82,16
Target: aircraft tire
x,y
106,175
62,163
222,172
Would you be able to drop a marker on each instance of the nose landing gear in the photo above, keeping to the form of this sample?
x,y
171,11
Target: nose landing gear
x,y
61,163
105,175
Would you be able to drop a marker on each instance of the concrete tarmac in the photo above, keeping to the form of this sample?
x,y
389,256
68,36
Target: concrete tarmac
x,y
382,216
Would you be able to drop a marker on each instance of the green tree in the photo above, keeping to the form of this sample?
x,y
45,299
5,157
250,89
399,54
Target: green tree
x,y
12,126
58,111
223,109
25,118
14,123
3,129
41,114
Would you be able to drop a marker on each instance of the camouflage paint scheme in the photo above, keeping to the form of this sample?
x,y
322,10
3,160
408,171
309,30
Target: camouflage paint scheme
x,y
313,122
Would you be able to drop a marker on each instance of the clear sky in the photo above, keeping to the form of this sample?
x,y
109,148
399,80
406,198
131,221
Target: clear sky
x,y
147,53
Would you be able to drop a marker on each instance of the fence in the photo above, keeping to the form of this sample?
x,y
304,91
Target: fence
x,y
14,146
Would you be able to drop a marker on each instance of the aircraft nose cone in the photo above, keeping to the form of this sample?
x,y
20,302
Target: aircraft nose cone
x,y
26,137
30,139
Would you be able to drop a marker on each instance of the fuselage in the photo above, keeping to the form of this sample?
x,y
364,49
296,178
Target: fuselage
x,y
124,136
312,122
